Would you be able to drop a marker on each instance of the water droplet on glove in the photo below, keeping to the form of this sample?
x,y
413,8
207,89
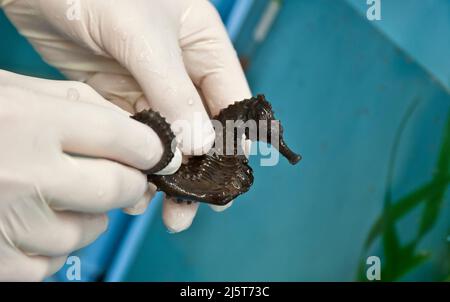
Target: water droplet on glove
x,y
73,94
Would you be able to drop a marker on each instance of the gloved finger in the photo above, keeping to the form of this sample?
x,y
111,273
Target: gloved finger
x,y
101,132
37,268
30,268
211,59
141,206
93,186
178,216
64,90
154,59
122,90
54,264
125,92
219,209
65,232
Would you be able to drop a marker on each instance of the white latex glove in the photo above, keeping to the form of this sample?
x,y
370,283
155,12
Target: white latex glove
x,y
171,55
67,156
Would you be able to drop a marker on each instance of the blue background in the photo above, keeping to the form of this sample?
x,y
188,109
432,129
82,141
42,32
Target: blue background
x,y
341,86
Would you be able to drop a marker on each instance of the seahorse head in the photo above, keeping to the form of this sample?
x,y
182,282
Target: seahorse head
x,y
261,111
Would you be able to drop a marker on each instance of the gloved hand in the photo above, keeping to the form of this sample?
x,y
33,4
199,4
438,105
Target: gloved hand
x,y
171,55
67,157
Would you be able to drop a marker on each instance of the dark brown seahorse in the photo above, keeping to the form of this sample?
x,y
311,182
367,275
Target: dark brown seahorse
x,y
216,178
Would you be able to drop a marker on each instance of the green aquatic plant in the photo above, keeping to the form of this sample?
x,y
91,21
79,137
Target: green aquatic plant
x,y
400,259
